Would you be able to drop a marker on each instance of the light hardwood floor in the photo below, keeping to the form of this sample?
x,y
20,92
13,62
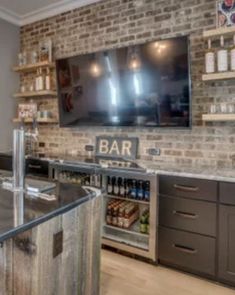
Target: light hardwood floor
x,y
122,275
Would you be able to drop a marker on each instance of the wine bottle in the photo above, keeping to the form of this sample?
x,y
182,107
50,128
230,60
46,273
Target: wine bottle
x,y
210,59
222,57
109,185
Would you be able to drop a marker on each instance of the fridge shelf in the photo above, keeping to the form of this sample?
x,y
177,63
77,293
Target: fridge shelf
x,y
133,229
127,199
140,245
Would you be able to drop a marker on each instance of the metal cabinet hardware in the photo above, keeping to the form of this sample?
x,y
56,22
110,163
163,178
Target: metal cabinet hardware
x,y
185,214
184,249
186,188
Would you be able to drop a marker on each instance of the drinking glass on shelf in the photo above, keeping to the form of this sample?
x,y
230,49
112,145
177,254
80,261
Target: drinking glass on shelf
x,y
213,108
231,108
223,108
34,57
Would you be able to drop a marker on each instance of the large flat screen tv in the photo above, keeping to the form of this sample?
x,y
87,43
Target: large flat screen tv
x,y
146,85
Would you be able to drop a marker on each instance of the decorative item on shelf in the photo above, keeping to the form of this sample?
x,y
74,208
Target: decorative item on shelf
x,y
34,57
222,108
39,81
45,50
225,12
27,110
222,57
210,59
22,58
22,88
44,114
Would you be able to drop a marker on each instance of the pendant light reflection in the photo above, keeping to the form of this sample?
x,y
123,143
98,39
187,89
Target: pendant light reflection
x,y
95,68
159,47
134,60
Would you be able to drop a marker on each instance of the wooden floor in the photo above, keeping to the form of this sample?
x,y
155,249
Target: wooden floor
x,y
121,275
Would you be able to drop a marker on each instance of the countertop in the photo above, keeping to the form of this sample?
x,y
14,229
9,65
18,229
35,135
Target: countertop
x,y
21,211
209,173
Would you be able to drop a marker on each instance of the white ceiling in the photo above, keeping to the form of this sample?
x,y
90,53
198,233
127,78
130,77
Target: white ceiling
x,y
22,12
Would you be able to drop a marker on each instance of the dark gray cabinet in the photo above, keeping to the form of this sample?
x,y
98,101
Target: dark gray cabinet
x,y
189,251
226,261
197,226
186,187
188,216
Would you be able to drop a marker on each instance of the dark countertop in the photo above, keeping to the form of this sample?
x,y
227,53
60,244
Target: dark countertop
x,y
21,211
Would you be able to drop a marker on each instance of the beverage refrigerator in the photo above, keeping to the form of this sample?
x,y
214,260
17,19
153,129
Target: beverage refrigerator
x,y
130,206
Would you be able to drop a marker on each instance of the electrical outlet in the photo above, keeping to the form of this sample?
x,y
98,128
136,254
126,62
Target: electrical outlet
x,y
57,244
89,148
154,152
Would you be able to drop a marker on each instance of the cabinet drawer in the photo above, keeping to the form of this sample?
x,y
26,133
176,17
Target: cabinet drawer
x,y
227,193
189,251
189,215
188,187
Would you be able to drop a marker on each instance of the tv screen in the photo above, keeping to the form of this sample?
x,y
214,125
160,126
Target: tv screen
x,y
146,85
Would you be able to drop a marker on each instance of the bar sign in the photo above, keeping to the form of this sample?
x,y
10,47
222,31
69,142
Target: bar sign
x,y
117,147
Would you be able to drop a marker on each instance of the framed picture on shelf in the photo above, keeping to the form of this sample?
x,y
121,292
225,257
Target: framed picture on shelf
x,y
225,13
27,110
45,50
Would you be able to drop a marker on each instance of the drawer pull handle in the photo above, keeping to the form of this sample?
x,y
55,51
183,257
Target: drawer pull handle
x,y
186,188
35,166
184,249
185,214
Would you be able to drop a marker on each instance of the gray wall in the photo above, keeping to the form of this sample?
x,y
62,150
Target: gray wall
x,y
9,81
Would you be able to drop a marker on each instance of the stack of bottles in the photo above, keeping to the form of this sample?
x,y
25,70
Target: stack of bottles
x,y
80,178
121,213
221,60
128,188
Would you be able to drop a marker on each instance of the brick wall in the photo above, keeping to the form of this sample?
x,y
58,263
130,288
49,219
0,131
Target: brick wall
x,y
116,23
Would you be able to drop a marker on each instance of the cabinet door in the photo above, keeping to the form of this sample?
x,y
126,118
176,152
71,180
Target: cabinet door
x,y
226,269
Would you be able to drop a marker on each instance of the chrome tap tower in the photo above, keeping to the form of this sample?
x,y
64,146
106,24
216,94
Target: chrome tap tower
x,y
18,159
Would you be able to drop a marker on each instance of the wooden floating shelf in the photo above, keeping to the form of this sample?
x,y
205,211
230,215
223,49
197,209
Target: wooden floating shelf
x,y
41,120
218,117
218,76
218,32
33,67
35,94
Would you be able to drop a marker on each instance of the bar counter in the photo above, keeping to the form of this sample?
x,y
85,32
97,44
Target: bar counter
x,y
50,244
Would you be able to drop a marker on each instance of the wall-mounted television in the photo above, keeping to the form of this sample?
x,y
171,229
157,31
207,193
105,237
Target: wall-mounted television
x,y
146,85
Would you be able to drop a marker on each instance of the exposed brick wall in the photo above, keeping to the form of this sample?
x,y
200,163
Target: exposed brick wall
x,y
117,23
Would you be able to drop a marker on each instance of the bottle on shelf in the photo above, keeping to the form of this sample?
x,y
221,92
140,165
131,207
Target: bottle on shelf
x,y
140,190
39,85
109,186
127,187
222,57
121,191
210,59
147,191
232,55
144,222
48,80
133,191
115,186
